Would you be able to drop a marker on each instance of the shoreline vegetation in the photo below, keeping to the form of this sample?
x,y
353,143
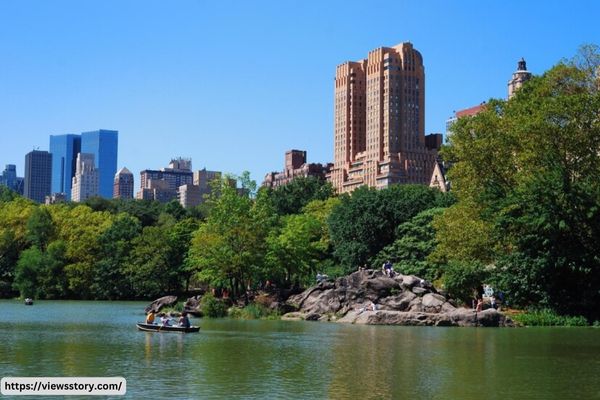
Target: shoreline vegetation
x,y
523,216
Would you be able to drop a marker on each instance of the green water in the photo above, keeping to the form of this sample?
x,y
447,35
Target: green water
x,y
297,360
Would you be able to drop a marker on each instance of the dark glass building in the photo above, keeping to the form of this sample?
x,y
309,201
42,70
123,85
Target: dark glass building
x,y
38,175
64,150
103,144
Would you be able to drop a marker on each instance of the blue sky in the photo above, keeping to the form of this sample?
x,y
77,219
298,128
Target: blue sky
x,y
234,84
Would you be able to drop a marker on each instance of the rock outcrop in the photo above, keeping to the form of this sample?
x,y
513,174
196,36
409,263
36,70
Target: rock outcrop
x,y
158,304
192,306
370,297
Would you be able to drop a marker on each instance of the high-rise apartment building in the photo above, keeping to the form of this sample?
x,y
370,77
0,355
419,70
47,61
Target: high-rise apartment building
x,y
87,178
38,171
64,150
103,144
10,179
379,136
519,77
123,184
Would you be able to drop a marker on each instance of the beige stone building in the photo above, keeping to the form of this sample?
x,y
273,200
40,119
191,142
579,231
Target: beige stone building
x,y
194,195
86,181
379,121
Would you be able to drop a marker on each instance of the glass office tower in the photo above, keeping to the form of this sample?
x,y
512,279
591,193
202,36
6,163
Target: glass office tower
x,y
64,150
38,172
103,144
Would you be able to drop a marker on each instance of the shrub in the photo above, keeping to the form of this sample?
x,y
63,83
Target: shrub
x,y
461,280
253,311
547,317
212,307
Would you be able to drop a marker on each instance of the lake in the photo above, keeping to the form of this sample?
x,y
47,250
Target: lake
x,y
296,360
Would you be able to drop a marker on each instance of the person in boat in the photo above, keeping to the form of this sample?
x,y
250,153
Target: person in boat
x,y
164,320
184,321
150,317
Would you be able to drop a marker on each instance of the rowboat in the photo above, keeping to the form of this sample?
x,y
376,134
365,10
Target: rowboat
x,y
159,328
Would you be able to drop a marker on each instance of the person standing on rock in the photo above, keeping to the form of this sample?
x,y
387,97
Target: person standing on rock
x,y
388,269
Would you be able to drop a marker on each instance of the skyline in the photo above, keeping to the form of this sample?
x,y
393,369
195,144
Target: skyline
x,y
234,85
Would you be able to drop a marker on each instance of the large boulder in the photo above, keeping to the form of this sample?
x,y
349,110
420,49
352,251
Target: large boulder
x,y
158,304
370,297
192,306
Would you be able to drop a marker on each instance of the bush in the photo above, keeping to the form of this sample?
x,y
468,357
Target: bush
x,y
212,307
253,311
461,280
547,317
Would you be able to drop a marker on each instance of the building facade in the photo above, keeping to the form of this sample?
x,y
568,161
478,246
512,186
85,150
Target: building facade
x,y
379,123
123,184
103,144
296,166
162,185
10,179
87,178
38,175
64,150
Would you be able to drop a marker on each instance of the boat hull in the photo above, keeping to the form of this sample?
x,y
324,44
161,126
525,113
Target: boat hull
x,y
160,328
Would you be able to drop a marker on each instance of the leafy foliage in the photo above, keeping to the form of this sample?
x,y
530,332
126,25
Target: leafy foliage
x,y
291,198
525,174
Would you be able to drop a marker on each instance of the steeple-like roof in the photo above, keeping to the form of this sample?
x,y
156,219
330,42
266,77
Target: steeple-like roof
x,y
123,171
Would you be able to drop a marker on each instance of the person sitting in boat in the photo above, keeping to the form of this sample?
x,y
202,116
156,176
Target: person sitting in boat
x,y
150,317
184,321
164,320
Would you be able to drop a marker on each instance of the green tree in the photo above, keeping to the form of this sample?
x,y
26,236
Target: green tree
x,y
291,198
293,251
9,255
110,278
228,249
415,242
40,228
52,282
27,272
365,222
527,168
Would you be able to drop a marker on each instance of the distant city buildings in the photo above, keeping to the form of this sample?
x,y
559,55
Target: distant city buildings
x,y
296,166
379,121
195,194
64,150
87,178
38,167
103,144
55,198
10,179
123,184
162,185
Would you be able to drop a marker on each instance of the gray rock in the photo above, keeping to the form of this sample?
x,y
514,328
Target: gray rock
x,y
158,304
402,300
192,305
312,317
432,303
293,316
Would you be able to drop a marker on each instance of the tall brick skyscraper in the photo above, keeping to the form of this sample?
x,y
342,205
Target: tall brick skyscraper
x,y
379,123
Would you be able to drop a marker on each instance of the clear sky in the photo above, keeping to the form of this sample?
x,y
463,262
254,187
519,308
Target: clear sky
x,y
234,84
